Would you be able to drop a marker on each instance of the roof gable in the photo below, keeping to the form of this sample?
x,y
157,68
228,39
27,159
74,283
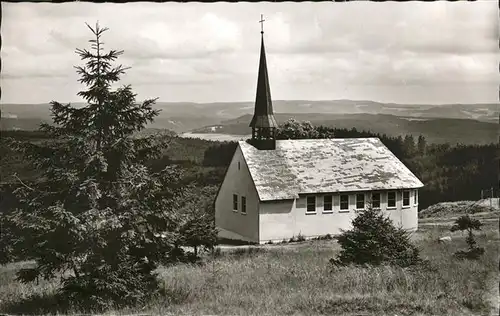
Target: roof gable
x,y
325,165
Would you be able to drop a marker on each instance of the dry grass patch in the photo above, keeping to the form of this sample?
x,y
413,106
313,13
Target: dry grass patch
x,y
33,298
270,280
287,283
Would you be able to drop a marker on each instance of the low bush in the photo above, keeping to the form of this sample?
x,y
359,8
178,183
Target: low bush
x,y
465,223
374,240
300,237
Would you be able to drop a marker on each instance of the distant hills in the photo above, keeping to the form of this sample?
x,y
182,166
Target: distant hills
x,y
466,123
436,130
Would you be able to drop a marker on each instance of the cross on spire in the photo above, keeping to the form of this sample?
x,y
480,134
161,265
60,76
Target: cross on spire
x,y
261,24
263,122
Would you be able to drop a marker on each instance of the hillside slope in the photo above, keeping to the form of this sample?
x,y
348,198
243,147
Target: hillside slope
x,y
465,123
440,130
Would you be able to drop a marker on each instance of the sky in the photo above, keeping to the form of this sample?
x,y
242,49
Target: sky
x,y
412,52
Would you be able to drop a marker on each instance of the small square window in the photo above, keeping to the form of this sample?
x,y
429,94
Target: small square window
x,y
243,205
311,204
344,202
375,200
391,199
360,201
327,203
406,198
235,202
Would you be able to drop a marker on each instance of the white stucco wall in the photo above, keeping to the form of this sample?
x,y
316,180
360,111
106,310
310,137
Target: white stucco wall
x,y
235,224
405,217
283,219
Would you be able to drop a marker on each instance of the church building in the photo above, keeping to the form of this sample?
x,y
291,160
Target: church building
x,y
279,189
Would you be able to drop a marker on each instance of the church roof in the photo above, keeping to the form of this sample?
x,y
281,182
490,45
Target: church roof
x,y
325,166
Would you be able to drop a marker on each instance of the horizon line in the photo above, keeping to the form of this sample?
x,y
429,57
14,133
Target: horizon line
x,y
278,100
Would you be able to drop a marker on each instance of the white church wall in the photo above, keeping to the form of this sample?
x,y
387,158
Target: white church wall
x,y
405,216
283,219
234,224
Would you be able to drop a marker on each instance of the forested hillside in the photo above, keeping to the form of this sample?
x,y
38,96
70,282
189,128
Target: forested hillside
x,y
435,130
449,172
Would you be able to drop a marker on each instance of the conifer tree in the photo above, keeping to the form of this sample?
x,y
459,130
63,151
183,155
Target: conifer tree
x,y
374,240
422,145
466,223
409,145
97,214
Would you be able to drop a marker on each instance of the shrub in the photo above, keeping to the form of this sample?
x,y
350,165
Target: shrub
x,y
468,224
374,240
300,237
325,237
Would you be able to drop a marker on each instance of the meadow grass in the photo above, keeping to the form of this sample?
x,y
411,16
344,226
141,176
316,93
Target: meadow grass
x,y
297,280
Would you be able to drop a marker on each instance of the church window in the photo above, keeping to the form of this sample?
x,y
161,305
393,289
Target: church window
x,y
243,205
360,201
238,165
311,204
406,198
235,202
391,199
327,203
344,202
376,200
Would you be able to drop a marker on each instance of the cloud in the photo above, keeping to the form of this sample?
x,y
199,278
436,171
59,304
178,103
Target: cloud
x,y
19,64
32,76
170,72
210,35
437,27
320,49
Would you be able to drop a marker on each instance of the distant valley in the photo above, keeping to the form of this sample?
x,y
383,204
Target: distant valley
x,y
465,123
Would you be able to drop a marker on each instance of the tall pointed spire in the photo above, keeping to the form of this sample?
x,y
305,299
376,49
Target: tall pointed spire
x,y
263,123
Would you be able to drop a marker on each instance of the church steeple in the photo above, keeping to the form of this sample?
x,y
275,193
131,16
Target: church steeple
x,y
263,123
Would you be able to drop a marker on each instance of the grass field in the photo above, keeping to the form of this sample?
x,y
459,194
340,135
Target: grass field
x,y
296,280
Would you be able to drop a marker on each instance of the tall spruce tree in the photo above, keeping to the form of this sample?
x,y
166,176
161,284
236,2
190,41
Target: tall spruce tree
x,y
421,145
97,214
409,145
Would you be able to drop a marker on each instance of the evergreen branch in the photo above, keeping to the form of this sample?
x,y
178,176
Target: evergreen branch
x,y
22,183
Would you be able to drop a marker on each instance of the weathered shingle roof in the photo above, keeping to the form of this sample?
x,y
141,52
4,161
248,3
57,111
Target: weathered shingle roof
x,y
324,166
